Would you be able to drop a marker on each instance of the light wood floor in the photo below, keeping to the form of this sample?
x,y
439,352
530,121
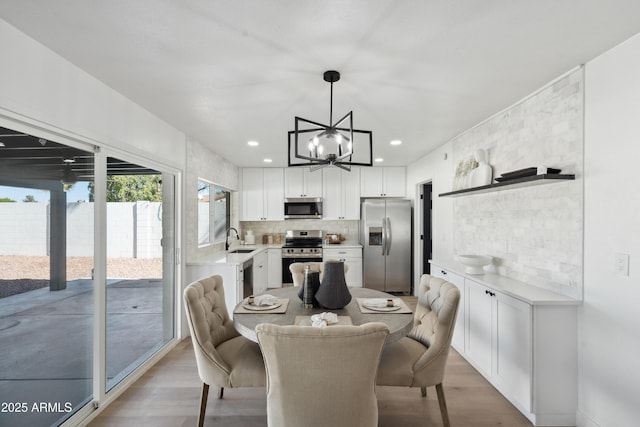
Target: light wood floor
x,y
169,395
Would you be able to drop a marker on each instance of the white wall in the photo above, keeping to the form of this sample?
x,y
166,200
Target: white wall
x,y
609,320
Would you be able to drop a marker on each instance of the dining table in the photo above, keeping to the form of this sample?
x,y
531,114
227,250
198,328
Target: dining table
x,y
292,312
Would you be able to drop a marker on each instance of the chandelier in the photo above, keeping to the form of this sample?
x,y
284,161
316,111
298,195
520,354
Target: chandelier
x,y
318,145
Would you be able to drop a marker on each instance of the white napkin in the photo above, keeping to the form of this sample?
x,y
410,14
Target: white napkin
x,y
323,319
265,299
379,302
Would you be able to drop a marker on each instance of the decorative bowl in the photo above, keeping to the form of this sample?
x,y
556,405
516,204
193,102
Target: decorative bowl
x,y
474,264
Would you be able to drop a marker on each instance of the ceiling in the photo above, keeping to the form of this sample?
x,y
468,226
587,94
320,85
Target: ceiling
x,y
227,72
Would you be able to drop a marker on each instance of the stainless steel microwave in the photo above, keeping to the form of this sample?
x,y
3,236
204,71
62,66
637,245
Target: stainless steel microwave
x,y
303,207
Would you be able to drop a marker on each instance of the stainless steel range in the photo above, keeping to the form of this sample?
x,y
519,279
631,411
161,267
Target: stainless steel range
x,y
300,246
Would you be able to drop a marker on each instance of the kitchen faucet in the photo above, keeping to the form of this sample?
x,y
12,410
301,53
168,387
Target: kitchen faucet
x,y
226,242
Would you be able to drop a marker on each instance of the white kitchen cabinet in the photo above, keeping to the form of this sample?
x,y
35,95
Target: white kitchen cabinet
x,y
301,182
260,272
522,339
388,181
262,194
499,341
274,260
350,256
458,333
341,194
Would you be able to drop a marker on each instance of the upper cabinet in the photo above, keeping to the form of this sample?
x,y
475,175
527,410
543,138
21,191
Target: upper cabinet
x,y
301,182
341,194
383,182
262,194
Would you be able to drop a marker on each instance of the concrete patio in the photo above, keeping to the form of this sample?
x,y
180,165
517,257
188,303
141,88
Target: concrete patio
x,y
46,345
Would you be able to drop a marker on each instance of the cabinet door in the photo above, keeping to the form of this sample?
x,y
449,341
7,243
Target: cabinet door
x,y
371,182
294,182
312,183
332,194
394,182
260,273
479,328
513,348
253,194
458,333
351,194
274,260
273,194
354,275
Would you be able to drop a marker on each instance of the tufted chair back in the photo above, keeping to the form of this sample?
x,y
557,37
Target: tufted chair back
x,y
224,357
433,324
210,326
297,270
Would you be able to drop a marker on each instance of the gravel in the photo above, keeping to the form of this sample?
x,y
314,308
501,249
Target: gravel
x,y
25,273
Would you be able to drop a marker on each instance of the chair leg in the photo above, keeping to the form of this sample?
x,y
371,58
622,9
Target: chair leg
x,y
443,405
221,393
423,391
203,403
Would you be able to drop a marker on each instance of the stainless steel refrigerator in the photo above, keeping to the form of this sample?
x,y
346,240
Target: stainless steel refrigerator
x,y
386,240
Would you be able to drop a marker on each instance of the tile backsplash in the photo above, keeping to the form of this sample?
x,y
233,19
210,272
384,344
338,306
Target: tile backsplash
x,y
533,233
350,229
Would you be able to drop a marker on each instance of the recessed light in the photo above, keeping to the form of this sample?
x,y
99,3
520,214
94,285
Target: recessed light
x,y
253,143
396,142
267,160
378,160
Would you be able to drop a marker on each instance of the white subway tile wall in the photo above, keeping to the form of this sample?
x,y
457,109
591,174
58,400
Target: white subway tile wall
x,y
534,233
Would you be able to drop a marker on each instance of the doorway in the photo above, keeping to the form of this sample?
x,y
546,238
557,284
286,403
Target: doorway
x,y
427,226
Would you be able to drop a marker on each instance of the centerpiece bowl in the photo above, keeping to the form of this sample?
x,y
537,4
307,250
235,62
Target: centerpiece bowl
x,y
474,264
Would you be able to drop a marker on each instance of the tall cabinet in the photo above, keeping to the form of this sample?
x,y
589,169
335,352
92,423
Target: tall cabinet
x,y
262,194
341,194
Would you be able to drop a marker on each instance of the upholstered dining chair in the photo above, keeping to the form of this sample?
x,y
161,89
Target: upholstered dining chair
x,y
419,359
318,377
297,270
224,358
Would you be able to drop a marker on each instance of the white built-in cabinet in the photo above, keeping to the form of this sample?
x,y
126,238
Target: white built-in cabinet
x,y
458,333
341,194
274,260
390,181
350,256
302,182
260,272
522,339
262,194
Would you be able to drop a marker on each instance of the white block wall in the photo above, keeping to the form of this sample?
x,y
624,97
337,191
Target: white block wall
x,y
534,233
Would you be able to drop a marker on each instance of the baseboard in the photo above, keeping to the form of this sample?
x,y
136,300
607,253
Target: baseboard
x,y
583,420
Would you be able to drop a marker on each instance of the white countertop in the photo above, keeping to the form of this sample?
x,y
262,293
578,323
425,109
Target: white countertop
x,y
233,258
347,245
528,293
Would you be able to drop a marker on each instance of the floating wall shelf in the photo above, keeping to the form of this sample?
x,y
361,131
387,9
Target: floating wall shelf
x,y
528,181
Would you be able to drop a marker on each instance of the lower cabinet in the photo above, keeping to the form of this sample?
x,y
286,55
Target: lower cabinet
x,y
274,260
232,279
527,350
260,272
350,256
498,340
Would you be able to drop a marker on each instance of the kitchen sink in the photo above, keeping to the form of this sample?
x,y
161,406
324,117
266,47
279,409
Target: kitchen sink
x,y
241,251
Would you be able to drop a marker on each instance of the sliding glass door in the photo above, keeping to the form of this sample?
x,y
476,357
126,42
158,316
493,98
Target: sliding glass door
x,y
87,274
140,265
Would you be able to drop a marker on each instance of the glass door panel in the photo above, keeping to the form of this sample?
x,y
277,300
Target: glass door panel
x,y
46,285
140,265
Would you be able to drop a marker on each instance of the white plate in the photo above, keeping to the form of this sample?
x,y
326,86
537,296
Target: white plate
x,y
248,306
378,308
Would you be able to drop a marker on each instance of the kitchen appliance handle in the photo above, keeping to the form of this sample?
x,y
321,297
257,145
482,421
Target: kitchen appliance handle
x,y
388,239
384,237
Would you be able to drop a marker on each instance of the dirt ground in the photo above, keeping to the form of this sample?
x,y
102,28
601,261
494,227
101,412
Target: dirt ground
x,y
24,273
37,267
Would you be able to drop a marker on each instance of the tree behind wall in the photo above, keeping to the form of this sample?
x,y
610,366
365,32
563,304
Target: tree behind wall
x,y
132,188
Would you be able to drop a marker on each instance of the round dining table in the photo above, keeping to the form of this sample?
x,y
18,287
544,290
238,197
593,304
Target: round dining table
x,y
399,323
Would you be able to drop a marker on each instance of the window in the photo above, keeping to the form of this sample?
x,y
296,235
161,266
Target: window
x,y
214,213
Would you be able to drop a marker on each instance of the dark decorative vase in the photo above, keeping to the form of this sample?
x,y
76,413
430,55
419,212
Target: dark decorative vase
x,y
333,293
313,278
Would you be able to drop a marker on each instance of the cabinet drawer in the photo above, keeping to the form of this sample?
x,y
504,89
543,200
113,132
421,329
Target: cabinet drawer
x,y
335,253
